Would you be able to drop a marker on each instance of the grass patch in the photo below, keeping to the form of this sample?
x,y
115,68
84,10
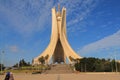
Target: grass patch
x,y
29,69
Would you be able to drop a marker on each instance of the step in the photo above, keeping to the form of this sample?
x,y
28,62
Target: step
x,y
59,69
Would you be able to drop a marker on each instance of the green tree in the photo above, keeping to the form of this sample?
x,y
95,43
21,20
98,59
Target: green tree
x,y
96,65
42,60
22,63
16,65
3,67
46,57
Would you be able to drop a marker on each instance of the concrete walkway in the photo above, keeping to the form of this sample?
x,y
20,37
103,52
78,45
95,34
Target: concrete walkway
x,y
75,76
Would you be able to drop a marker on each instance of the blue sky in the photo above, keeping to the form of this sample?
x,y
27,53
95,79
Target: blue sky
x,y
93,28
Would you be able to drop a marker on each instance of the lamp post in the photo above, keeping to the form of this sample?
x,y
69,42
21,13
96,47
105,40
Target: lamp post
x,y
116,64
111,64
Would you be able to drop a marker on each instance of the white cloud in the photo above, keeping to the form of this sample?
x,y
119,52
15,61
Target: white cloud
x,y
85,7
27,17
105,43
77,12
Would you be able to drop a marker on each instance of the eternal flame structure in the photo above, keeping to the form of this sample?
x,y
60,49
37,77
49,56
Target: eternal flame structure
x,y
58,49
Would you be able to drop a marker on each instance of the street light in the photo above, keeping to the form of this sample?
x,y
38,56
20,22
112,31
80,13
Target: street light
x,y
116,64
112,64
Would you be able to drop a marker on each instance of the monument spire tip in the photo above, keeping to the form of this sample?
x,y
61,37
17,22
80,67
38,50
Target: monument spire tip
x,y
58,7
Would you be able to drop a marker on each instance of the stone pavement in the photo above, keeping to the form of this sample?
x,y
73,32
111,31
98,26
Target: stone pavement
x,y
73,76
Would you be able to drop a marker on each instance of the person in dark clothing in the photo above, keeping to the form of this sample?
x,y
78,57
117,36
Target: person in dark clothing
x,y
7,76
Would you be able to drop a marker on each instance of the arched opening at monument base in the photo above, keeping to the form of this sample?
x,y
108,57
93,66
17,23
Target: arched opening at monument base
x,y
58,56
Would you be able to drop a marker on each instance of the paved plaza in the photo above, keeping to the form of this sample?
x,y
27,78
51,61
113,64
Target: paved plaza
x,y
73,76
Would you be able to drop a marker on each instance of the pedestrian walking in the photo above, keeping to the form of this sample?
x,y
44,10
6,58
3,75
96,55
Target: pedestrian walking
x,y
9,76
